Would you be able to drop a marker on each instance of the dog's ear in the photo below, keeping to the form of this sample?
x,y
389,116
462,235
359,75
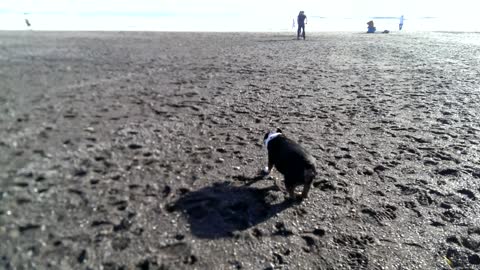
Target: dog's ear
x,y
279,130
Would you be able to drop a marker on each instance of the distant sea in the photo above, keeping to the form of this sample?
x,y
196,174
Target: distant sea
x,y
226,23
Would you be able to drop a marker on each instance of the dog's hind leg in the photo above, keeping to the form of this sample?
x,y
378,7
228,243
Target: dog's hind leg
x,y
290,186
306,189
309,176
291,193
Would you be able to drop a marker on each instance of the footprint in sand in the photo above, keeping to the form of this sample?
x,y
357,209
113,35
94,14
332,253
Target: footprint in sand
x,y
358,261
383,214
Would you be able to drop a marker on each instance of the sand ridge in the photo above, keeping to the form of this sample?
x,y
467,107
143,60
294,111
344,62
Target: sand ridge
x,y
131,150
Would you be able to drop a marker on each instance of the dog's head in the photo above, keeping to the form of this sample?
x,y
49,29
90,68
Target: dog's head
x,y
270,135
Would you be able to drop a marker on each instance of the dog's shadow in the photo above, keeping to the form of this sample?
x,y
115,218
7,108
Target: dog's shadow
x,y
219,210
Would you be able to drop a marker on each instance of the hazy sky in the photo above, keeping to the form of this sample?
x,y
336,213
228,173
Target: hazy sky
x,y
215,14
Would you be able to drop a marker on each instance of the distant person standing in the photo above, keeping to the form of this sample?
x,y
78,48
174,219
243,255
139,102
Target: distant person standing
x,y
301,21
400,25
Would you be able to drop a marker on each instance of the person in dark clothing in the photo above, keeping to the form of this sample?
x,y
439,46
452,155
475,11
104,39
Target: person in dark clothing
x,y
301,21
371,28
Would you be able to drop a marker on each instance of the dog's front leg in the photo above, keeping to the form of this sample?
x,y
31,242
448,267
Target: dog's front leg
x,y
268,169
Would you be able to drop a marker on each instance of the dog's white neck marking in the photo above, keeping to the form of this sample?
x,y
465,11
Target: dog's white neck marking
x,y
271,137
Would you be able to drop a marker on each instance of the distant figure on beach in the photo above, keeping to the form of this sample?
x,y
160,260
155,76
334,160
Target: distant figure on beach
x,y
400,25
301,21
371,27
26,20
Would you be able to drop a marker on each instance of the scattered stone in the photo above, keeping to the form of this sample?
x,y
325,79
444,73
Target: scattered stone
x,y
135,146
319,232
28,227
80,172
437,224
90,129
448,172
83,256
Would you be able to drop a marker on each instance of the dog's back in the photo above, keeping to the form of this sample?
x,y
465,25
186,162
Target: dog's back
x,y
291,159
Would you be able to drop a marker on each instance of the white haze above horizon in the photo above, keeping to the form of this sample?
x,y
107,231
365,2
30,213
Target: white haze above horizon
x,y
237,15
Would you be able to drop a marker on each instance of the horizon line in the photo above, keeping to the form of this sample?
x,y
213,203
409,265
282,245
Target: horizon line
x,y
176,14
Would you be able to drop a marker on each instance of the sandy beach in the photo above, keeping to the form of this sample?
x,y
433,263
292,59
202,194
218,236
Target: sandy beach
x,y
131,150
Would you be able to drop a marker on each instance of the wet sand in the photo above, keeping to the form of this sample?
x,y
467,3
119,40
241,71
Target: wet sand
x,y
131,150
